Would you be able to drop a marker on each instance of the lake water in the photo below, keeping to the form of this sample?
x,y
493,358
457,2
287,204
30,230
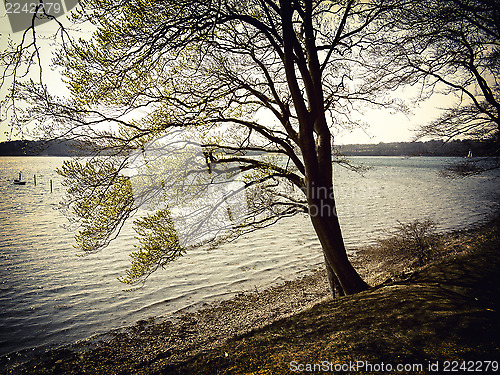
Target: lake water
x,y
49,296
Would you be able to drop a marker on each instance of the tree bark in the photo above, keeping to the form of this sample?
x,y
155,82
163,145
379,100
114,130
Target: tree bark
x,y
344,279
327,227
335,288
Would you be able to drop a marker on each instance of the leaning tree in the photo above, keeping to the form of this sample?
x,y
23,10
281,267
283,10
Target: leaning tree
x,y
216,114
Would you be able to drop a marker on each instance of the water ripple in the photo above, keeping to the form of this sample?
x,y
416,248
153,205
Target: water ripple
x,y
48,296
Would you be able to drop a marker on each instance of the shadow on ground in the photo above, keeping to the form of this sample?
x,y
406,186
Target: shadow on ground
x,y
447,311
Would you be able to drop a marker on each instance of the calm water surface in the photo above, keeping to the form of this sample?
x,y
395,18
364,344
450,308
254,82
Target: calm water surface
x,y
49,296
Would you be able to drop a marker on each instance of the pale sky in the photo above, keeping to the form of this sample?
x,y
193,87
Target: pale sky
x,y
384,126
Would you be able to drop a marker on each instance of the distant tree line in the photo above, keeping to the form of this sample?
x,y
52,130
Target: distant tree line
x,y
429,148
45,148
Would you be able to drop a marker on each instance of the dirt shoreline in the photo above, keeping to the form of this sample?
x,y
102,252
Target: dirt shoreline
x,y
166,346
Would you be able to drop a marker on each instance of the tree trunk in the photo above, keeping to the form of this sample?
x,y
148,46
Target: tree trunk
x,y
315,144
340,271
335,288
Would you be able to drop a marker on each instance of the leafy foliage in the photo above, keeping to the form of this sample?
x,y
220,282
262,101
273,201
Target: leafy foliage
x,y
158,245
100,199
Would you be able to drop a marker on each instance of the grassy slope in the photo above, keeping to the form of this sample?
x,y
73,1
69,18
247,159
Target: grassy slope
x,y
448,310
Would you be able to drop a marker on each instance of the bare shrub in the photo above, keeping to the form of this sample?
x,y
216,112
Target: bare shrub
x,y
417,239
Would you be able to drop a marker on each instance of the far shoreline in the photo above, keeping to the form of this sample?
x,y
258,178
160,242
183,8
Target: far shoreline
x,y
439,148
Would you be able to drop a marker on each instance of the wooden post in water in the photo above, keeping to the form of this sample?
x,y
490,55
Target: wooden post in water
x,y
34,179
51,186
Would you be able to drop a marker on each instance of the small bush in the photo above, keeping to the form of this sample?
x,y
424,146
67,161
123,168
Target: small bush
x,y
416,239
